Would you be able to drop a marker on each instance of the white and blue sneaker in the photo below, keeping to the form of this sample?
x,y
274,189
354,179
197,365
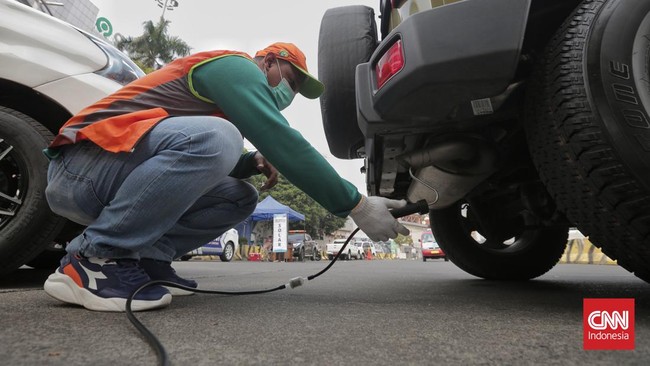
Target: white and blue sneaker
x,y
104,284
161,270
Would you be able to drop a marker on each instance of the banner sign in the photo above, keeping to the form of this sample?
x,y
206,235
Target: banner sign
x,y
280,233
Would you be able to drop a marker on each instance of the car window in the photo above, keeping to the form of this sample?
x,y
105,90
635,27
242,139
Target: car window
x,y
295,238
427,237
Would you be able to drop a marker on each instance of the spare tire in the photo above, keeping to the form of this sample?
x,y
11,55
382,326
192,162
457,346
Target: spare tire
x,y
348,37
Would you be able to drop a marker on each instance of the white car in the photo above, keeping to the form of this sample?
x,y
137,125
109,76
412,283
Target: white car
x,y
351,251
49,70
225,246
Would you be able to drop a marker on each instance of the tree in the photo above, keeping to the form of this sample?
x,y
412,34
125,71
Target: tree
x,y
404,239
318,221
154,48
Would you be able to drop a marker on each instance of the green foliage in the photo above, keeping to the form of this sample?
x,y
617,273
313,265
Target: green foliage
x,y
154,48
401,239
318,221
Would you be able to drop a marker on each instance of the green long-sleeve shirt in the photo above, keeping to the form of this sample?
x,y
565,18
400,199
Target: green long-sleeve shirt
x,y
240,89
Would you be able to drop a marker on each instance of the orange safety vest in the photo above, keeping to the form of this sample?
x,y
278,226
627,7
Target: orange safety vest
x,y
117,122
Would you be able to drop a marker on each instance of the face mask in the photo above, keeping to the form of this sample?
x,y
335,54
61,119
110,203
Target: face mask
x,y
282,92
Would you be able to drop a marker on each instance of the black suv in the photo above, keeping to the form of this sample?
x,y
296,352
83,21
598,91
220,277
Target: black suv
x,y
303,245
513,119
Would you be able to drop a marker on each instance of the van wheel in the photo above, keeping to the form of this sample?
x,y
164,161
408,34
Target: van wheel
x,y
588,126
228,252
27,226
347,38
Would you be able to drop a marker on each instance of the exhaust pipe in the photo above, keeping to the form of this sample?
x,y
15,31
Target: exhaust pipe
x,y
445,172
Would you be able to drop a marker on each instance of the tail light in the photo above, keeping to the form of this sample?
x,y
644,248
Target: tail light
x,y
389,64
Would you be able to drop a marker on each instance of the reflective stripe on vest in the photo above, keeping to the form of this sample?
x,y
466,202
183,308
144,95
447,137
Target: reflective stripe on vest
x,y
117,122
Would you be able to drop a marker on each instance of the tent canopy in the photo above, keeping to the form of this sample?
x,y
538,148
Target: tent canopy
x,y
269,207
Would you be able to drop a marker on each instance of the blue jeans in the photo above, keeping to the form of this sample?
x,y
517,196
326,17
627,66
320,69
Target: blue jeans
x,y
170,195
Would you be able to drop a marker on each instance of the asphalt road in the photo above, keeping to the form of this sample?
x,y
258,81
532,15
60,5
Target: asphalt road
x,y
398,312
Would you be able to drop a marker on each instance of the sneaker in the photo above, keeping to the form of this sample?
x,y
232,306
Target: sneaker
x,y
104,284
161,270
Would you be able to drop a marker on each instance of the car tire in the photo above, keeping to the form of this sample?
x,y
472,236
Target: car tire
x,y
228,252
27,225
347,38
185,258
535,251
588,126
424,259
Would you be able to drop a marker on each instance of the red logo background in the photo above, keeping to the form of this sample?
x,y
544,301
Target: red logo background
x,y
608,338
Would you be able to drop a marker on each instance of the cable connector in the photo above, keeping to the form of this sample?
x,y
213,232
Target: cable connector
x,y
297,281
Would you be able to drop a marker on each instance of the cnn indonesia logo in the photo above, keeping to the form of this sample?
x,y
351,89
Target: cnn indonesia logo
x,y
608,324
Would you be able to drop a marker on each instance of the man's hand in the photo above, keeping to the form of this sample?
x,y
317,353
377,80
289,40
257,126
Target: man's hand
x,y
374,219
264,167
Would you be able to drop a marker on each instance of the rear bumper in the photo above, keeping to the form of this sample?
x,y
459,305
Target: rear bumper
x,y
432,253
448,62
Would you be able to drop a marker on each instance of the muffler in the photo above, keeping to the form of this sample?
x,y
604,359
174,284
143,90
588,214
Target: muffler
x,y
445,172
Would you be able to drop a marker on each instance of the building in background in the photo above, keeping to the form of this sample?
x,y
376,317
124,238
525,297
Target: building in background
x,y
80,13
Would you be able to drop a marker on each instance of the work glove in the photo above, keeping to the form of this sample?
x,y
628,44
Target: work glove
x,y
373,218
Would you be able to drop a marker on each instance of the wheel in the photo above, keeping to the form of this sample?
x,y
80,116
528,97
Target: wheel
x,y
228,252
185,258
27,226
588,126
348,36
424,259
521,250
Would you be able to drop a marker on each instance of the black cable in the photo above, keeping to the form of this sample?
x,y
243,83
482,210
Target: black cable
x,y
420,206
150,337
153,340
345,245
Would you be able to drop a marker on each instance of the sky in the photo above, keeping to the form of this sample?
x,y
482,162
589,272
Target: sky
x,y
248,26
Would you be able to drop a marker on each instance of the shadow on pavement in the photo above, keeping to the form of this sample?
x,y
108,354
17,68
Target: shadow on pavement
x,y
25,277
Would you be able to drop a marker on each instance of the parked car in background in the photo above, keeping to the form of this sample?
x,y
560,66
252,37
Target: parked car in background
x,y
352,250
225,246
379,248
368,246
303,245
49,70
430,248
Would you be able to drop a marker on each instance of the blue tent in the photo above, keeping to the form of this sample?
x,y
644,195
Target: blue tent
x,y
269,207
264,212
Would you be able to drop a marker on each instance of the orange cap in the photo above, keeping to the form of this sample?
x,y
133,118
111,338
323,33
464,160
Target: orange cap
x,y
311,88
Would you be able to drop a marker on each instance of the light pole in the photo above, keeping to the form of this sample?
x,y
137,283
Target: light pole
x,y
167,5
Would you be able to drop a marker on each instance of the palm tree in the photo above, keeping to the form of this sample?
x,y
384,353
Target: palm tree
x,y
154,48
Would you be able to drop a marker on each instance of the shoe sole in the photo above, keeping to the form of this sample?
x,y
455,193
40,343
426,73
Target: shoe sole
x,y
63,288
